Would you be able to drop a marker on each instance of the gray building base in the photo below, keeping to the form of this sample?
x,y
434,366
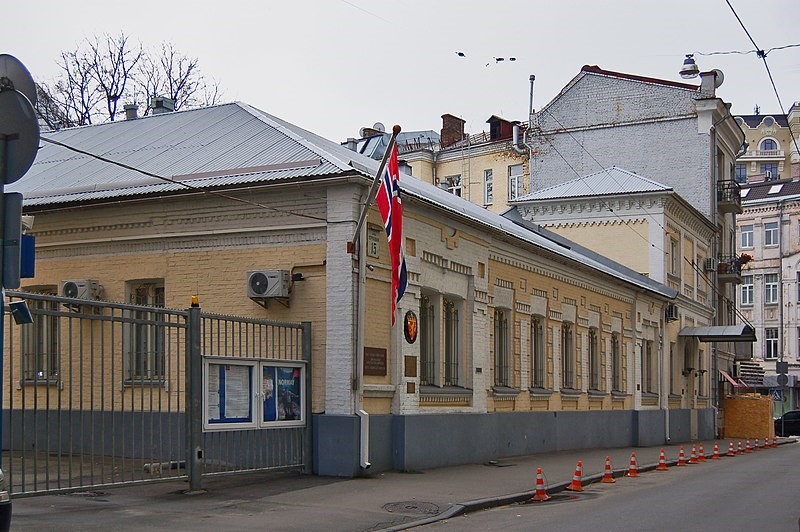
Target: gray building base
x,y
424,441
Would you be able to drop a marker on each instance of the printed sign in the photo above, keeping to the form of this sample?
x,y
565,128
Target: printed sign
x,y
282,393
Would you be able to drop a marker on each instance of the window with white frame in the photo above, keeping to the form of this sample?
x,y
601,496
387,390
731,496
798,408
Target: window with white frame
x,y
768,145
144,341
746,236
40,342
452,341
567,355
488,187
771,234
502,349
537,352
515,173
427,339
674,257
452,184
647,366
771,343
594,359
747,290
770,288
616,363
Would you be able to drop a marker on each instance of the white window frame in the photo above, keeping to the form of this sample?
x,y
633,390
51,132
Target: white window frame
x,y
747,290
771,234
746,237
771,288
452,184
770,343
40,344
453,327
144,344
488,187
516,172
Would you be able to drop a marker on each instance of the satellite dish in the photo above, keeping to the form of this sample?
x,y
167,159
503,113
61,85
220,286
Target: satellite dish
x,y
20,128
377,126
719,78
14,70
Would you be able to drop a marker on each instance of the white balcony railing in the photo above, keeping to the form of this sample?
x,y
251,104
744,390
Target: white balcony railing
x,y
763,154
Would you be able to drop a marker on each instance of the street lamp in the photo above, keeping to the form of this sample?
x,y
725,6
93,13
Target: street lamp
x,y
689,69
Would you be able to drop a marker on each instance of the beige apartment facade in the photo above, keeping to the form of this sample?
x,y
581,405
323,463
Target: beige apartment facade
x,y
771,146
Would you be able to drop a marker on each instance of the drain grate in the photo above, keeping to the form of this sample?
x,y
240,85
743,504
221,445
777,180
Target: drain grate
x,y
412,507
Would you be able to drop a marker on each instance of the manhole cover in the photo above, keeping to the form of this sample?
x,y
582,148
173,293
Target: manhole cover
x,y
412,507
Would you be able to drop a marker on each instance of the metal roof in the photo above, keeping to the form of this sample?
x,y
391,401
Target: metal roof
x,y
754,121
768,192
609,181
235,144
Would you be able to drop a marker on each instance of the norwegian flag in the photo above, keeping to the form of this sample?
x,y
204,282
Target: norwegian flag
x,y
388,201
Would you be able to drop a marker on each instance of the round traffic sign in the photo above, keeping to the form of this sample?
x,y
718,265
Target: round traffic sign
x,y
783,379
19,134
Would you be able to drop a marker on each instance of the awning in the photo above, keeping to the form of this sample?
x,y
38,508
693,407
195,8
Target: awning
x,y
730,379
721,333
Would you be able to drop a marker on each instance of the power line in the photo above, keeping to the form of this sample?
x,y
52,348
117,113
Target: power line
x,y
746,52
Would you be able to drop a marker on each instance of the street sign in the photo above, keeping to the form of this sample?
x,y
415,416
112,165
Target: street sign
x,y
782,367
783,379
776,395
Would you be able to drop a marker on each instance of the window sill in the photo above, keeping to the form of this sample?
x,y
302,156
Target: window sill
x,y
505,392
540,392
40,382
619,394
571,392
151,383
599,394
430,389
674,396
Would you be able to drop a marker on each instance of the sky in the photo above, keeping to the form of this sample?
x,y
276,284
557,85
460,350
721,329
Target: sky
x,y
334,66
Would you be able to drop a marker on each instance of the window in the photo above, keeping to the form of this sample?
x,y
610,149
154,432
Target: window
x,y
145,346
616,363
594,360
488,187
798,290
452,342
39,343
567,356
537,352
647,366
741,173
769,121
502,352
672,369
747,290
674,257
768,144
514,181
746,240
452,184
770,170
426,341
771,234
771,343
770,288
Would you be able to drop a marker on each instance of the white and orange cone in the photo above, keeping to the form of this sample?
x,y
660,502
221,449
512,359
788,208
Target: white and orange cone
x,y
731,450
715,454
681,458
576,484
633,468
541,493
701,453
608,476
775,441
662,462
693,457
757,445
747,448
740,450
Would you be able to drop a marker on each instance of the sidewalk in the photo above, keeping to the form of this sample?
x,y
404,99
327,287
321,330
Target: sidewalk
x,y
289,501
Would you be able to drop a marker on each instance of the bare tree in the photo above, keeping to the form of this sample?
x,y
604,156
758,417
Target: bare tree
x,y
104,71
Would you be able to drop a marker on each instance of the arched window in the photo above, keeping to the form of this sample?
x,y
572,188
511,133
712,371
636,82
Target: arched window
x,y
768,144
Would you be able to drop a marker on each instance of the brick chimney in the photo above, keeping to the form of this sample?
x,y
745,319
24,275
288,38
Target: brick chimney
x,y
452,130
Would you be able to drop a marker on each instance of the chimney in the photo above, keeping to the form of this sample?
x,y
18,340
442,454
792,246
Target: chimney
x,y
131,111
708,83
350,144
452,130
161,104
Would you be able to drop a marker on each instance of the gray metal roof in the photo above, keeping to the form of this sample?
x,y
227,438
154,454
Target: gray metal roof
x,y
610,181
236,144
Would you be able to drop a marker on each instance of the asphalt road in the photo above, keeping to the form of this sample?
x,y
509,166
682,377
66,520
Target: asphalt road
x,y
760,491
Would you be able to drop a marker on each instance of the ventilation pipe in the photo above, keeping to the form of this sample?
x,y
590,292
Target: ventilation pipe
x,y
521,145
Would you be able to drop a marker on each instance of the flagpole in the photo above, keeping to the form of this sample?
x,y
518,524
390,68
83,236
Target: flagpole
x,y
375,182
358,238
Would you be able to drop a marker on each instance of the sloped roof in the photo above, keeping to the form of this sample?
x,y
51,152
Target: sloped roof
x,y
754,121
606,182
234,144
769,191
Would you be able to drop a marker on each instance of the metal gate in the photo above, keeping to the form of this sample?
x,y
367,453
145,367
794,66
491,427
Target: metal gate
x,y
98,394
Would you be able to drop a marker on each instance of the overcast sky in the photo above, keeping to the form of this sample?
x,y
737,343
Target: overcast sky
x,y
333,66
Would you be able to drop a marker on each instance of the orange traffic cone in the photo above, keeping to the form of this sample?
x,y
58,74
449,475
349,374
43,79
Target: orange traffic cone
x,y
775,441
739,450
541,493
715,454
608,477
633,468
731,450
747,448
662,462
576,485
701,453
681,458
693,457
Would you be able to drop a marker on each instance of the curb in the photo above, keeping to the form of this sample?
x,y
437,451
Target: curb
x,y
513,498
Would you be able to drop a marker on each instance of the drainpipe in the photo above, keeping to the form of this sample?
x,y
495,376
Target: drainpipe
x,y
521,145
662,375
780,279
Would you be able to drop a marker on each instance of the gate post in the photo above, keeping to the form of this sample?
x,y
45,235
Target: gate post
x,y
194,399
308,444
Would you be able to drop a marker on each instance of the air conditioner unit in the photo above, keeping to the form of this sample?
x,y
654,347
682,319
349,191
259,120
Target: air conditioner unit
x,y
711,264
265,284
672,312
80,289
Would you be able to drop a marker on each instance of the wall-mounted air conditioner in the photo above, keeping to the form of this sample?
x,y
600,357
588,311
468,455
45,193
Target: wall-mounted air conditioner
x,y
80,289
266,284
672,312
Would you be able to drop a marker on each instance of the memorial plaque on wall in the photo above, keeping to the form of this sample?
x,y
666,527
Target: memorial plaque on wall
x,y
375,361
